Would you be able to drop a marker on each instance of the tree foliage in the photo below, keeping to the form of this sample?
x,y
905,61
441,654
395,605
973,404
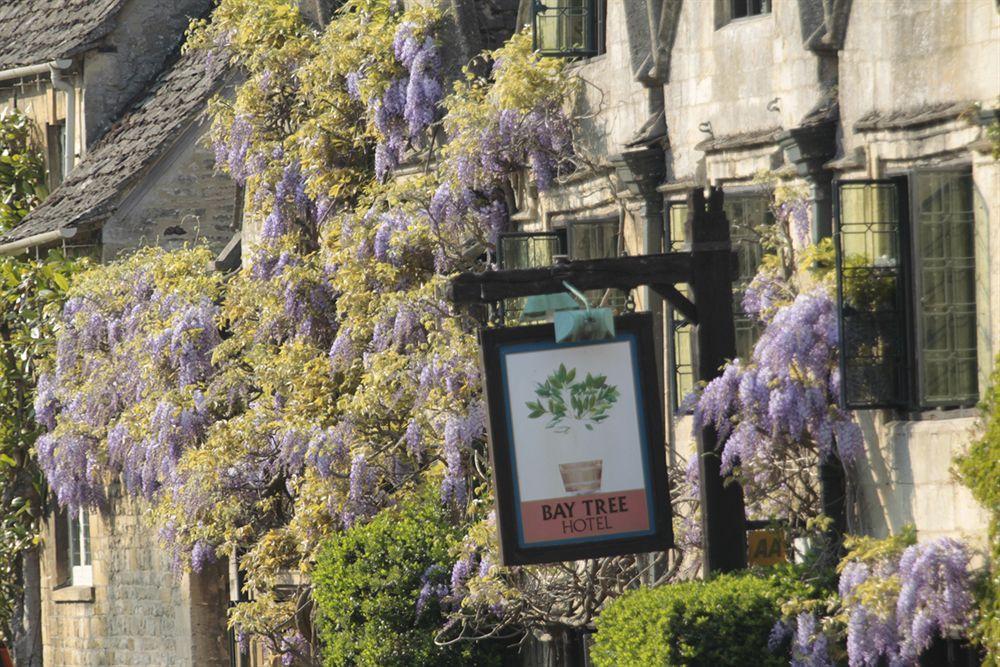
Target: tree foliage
x,y
979,469
375,588
30,293
22,168
725,621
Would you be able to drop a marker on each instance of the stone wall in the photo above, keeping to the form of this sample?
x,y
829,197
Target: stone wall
x,y
612,104
181,200
902,55
147,34
907,478
727,74
138,612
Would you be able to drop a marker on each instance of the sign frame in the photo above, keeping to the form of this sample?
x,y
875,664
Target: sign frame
x,y
637,330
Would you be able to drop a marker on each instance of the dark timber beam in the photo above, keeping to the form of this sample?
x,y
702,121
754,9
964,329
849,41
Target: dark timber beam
x,y
680,302
658,271
723,518
618,272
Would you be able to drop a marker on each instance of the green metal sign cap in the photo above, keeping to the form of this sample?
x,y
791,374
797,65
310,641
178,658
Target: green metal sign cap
x,y
592,324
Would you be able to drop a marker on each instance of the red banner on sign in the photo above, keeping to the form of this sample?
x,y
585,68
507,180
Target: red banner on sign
x,y
574,517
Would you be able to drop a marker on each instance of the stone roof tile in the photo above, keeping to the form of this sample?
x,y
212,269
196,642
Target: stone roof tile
x,y
98,182
37,31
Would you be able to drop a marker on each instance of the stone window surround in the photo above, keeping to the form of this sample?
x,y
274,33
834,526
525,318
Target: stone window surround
x,y
68,594
73,583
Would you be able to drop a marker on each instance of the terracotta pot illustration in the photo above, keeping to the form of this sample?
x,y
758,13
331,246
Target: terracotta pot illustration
x,y
582,476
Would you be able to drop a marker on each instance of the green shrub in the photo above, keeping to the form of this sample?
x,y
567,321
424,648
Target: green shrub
x,y
979,469
366,585
725,621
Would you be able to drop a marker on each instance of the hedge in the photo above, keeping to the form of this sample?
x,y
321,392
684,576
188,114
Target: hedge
x,y
366,584
725,621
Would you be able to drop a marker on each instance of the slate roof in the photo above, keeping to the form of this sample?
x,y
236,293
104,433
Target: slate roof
x,y
37,31
100,181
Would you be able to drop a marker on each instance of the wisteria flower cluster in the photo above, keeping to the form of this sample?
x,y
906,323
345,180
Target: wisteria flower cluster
x,y
782,401
894,597
933,598
776,412
133,355
410,102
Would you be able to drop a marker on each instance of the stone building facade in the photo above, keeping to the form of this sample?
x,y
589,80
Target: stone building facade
x,y
894,95
136,609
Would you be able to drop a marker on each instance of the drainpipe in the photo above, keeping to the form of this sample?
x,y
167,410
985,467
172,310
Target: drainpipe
x,y
25,244
57,72
23,72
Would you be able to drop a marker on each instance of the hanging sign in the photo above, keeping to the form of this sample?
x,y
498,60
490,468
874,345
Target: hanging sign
x,y
577,443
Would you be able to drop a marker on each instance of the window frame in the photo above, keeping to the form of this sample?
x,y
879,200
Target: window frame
x,y
911,360
676,322
765,8
596,29
82,574
725,12
901,185
559,233
915,284
70,528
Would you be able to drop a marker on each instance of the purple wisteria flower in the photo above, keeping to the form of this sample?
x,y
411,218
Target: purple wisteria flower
x,y
935,597
202,555
783,396
810,646
433,586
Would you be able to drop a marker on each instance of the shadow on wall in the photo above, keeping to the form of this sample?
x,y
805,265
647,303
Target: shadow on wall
x,y
883,483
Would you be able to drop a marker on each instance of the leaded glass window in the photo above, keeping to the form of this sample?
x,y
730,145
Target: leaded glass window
x,y
682,363
568,28
79,548
945,289
597,239
907,291
870,271
528,250
746,215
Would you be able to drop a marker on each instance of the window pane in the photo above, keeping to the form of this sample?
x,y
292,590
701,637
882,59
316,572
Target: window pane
x,y
946,273
872,310
681,341
73,519
526,251
85,537
596,240
746,215
676,232
565,26
682,371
